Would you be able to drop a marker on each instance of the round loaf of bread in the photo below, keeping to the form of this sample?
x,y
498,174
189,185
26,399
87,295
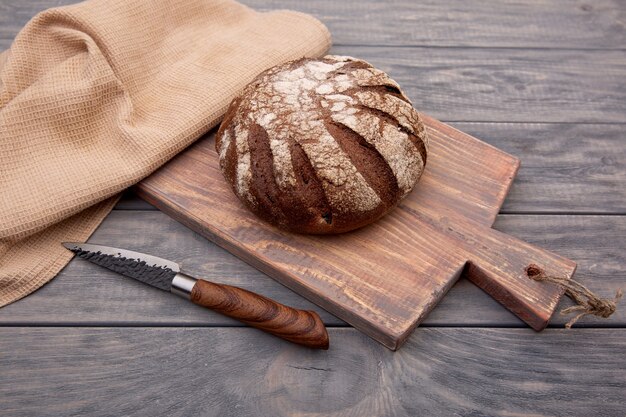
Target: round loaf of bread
x,y
322,146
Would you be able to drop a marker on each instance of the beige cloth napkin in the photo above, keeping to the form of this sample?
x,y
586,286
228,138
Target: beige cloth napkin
x,y
96,96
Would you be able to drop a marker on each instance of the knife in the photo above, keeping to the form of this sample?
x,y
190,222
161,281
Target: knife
x,y
297,326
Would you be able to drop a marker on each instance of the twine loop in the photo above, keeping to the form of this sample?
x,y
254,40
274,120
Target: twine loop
x,y
588,302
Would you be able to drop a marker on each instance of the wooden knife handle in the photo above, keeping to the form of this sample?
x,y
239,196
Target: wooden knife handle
x,y
297,326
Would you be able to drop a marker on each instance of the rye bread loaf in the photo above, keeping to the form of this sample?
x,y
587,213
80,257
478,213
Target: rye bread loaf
x,y
322,146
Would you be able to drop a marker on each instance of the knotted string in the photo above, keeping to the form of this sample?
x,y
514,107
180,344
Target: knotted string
x,y
588,302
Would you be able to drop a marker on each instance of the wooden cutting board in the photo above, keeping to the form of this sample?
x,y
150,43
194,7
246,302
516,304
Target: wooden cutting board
x,y
385,278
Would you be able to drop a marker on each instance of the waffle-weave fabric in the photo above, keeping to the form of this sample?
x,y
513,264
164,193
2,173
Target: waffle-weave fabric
x,y
96,96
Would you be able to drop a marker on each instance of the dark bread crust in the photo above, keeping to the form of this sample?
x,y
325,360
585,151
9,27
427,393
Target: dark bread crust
x,y
322,146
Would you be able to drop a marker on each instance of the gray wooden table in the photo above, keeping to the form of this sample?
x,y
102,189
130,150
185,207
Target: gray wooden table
x,y
544,80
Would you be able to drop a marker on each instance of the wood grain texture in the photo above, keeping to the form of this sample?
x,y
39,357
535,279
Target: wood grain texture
x,y
67,300
565,168
506,85
239,372
297,326
474,23
424,244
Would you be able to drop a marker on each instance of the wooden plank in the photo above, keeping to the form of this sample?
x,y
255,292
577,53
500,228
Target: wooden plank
x,y
244,372
474,23
566,168
68,299
506,85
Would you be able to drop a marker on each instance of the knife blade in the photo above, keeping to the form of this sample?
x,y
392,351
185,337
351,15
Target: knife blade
x,y
297,326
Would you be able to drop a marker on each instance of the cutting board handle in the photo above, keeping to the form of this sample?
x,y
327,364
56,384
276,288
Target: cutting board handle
x,y
498,263
297,326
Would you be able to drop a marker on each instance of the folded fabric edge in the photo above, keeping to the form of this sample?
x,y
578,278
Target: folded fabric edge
x,y
4,55
316,22
35,260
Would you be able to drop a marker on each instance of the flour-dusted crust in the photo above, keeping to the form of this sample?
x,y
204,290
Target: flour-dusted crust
x,y
322,146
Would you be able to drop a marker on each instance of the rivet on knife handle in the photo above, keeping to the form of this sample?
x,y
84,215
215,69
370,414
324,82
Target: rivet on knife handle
x,y
297,326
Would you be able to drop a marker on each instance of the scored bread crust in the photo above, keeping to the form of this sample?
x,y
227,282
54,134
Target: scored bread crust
x,y
322,146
